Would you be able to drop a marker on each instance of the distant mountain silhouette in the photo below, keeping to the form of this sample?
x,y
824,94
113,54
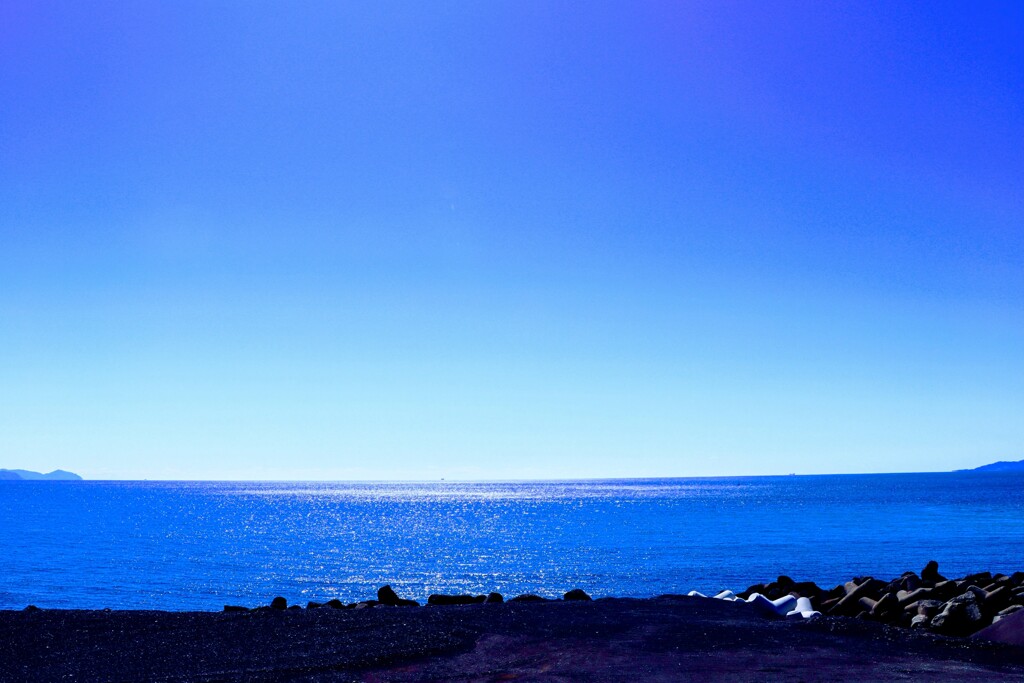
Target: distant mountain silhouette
x,y
56,475
1001,466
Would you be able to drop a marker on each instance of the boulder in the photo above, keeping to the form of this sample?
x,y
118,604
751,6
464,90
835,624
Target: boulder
x,y
775,589
493,598
910,581
528,597
960,616
906,598
387,596
294,607
979,593
313,605
931,574
920,621
33,608
806,589
279,603
944,590
576,594
850,604
1009,630
980,579
365,604
838,592
756,588
867,604
887,608
995,583
335,604
995,600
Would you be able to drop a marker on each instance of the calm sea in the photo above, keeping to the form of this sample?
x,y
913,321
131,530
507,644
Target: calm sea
x,y
199,545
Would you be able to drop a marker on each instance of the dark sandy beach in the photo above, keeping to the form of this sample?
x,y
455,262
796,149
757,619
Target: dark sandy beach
x,y
615,639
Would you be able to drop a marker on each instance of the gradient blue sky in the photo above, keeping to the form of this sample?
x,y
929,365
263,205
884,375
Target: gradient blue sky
x,y
255,240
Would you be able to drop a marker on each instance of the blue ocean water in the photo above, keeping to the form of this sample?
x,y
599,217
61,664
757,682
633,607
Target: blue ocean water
x,y
199,545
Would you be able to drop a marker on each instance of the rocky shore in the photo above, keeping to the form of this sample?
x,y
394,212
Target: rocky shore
x,y
929,600
529,637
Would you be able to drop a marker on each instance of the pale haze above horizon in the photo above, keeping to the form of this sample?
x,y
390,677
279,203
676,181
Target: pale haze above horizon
x,y
510,240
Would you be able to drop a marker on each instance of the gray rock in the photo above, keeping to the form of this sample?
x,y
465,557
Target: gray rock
x,y
960,616
580,594
979,593
920,621
929,608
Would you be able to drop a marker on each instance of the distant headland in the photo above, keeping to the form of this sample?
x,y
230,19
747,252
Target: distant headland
x,y
1001,466
20,475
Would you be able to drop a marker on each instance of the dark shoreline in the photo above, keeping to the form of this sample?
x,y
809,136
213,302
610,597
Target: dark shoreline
x,y
947,606
610,639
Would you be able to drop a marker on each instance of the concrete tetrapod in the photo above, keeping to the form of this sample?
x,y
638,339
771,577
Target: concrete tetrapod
x,y
787,606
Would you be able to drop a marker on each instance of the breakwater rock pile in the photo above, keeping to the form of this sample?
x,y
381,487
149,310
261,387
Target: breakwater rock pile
x,y
952,607
929,600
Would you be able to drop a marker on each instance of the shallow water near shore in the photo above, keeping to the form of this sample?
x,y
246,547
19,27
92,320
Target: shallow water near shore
x,y
199,545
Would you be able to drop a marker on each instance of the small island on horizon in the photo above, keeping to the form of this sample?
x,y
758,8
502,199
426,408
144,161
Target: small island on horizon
x,y
1001,466
28,475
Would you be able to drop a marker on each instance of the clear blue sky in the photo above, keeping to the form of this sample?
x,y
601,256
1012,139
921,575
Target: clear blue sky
x,y
516,239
